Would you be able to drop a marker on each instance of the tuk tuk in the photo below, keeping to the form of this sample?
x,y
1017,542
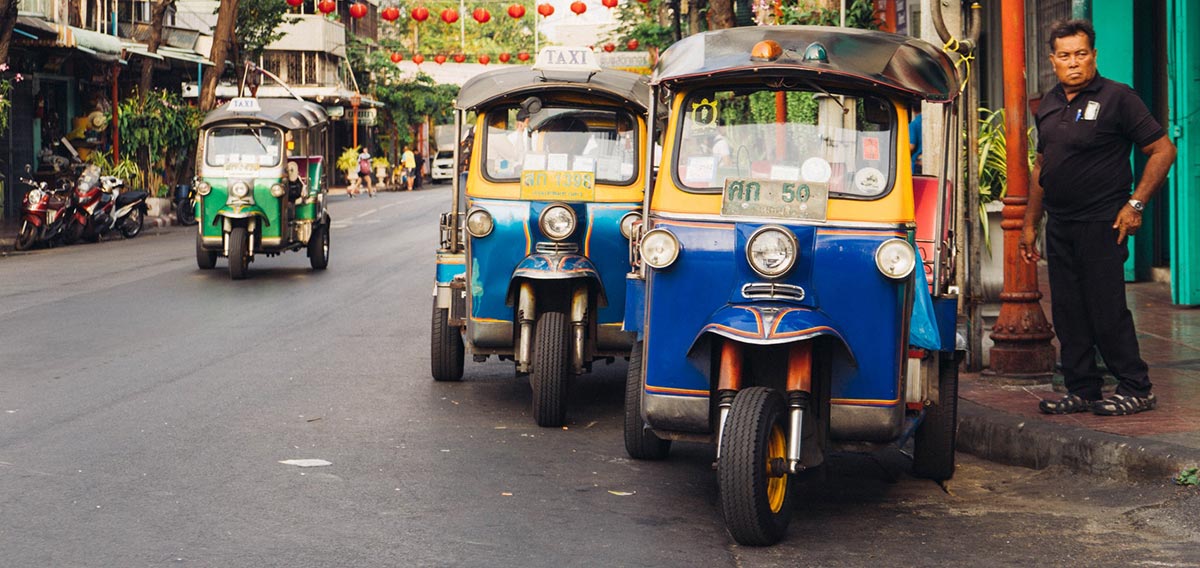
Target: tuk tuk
x,y
260,187
784,245
552,187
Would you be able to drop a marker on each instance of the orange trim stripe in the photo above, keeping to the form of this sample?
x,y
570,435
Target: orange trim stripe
x,y
854,233
489,320
697,224
863,402
587,239
669,390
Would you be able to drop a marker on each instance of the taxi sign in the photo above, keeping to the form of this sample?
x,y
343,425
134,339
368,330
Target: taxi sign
x,y
244,104
559,58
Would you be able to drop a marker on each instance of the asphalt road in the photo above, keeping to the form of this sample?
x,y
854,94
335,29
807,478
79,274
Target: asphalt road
x,y
145,406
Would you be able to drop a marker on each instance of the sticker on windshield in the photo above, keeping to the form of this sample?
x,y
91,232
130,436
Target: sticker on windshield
x,y
869,181
870,147
816,170
704,115
700,169
785,173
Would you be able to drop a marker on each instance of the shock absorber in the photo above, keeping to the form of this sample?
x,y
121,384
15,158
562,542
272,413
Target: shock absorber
x,y
729,382
799,387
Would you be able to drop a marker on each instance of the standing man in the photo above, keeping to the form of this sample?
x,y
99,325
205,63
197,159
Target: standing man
x,y
1087,126
410,165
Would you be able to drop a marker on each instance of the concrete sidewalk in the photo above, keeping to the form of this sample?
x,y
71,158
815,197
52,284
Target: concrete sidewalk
x,y
1002,423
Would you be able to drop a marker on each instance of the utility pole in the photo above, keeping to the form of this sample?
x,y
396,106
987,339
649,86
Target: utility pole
x,y
1021,335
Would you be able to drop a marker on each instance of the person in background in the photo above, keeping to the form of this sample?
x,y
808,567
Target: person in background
x,y
1087,126
420,169
410,165
364,171
914,140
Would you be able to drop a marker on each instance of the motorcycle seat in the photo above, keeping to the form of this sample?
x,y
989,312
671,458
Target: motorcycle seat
x,y
128,197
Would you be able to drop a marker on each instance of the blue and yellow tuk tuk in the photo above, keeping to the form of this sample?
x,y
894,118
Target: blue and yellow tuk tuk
x,y
777,269
534,250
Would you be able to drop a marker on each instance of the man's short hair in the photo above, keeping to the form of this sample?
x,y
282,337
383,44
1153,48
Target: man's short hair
x,y
1068,28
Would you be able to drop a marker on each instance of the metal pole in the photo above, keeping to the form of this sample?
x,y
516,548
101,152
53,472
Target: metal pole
x,y
116,117
456,183
842,14
1021,335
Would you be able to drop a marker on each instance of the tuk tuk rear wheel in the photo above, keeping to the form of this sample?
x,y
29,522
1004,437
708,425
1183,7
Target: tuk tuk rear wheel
x,y
26,237
239,253
935,439
318,247
755,501
205,259
551,357
640,442
446,347
185,212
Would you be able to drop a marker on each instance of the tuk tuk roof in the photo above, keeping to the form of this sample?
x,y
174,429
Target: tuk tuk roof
x,y
502,83
906,66
288,114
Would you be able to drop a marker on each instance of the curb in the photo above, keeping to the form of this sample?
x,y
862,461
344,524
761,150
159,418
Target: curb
x,y
1006,438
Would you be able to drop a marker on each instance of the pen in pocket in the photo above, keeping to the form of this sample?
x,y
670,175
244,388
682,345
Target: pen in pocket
x,y
1078,113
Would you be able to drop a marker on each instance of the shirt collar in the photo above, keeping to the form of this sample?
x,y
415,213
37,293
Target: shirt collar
x,y
1091,87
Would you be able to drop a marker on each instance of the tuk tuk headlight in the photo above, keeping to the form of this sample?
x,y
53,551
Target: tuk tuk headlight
x,y
202,188
239,189
771,251
557,222
479,223
277,190
628,221
895,259
659,248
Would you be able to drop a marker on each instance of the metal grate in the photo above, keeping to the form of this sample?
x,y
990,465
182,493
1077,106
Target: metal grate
x,y
557,248
773,291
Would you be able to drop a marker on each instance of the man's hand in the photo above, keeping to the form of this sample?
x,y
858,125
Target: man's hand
x,y
1129,220
1028,244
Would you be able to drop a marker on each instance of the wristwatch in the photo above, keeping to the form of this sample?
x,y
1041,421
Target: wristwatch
x,y
1137,205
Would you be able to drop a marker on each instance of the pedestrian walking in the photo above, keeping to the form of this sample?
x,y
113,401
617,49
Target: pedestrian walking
x,y
1087,126
410,166
364,171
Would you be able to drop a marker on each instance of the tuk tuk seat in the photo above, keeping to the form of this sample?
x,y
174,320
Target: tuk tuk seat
x,y
925,200
309,167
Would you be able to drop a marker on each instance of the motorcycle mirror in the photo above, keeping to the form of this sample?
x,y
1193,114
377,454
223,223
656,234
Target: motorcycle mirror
x,y
28,168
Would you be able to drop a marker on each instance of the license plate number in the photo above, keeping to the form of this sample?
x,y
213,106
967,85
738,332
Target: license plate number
x,y
775,199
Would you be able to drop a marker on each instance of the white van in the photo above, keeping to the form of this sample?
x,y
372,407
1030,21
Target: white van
x,y
443,165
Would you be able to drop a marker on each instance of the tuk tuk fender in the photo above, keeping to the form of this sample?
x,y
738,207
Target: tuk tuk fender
x,y
767,324
555,267
527,317
239,212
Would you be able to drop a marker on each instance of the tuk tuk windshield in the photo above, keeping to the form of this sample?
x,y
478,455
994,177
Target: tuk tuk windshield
x,y
600,141
788,135
244,145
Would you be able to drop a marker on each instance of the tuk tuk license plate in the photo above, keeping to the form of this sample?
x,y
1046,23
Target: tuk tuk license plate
x,y
775,199
542,185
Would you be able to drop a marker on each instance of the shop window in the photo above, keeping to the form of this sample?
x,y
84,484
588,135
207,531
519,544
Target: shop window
x,y
136,11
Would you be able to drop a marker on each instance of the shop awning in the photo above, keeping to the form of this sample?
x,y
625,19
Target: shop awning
x,y
104,47
185,55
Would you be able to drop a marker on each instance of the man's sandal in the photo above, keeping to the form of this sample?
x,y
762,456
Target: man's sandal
x,y
1069,404
1121,405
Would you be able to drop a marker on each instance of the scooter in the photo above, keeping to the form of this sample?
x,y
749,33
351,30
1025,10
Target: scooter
x,y
44,219
185,203
102,206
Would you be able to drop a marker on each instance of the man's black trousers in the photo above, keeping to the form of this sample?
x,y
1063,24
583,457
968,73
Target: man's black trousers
x,y
1087,289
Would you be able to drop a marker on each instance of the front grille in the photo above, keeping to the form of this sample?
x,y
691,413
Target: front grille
x,y
556,248
773,291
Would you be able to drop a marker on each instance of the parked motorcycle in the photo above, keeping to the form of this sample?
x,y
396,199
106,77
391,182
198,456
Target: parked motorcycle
x,y
185,204
102,206
45,214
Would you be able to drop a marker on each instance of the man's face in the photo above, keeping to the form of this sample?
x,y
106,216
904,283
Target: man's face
x,y
1074,61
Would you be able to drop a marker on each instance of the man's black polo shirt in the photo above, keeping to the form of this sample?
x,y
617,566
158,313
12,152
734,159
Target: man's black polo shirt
x,y
1085,145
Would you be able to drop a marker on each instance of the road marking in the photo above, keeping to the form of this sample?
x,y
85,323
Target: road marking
x,y
365,213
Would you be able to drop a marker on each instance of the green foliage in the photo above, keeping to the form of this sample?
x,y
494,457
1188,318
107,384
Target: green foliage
x,y
993,155
407,99
348,160
5,102
380,162
648,23
125,169
801,107
859,14
257,26
159,131
1189,477
498,35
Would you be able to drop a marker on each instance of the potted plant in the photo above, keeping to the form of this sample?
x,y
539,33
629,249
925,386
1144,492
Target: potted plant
x,y
348,162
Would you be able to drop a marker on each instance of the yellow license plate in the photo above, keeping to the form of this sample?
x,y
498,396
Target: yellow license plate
x,y
541,185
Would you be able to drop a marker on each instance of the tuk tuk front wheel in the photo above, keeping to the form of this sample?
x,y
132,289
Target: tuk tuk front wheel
x,y
239,253
934,441
551,357
446,347
755,496
640,442
318,247
205,259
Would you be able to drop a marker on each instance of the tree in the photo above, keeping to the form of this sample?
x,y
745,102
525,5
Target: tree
x,y
720,14
222,40
156,27
650,23
408,100
258,23
500,34
8,19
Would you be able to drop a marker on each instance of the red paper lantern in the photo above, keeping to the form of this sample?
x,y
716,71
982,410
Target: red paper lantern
x,y
632,45
505,57
326,6
420,13
391,13
397,58
545,10
609,47
609,3
418,59
439,59
516,11
449,15
578,7
481,15
295,3
484,60
459,58
644,1
523,56
358,10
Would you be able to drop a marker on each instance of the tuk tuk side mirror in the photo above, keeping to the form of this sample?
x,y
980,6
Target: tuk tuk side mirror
x,y
532,105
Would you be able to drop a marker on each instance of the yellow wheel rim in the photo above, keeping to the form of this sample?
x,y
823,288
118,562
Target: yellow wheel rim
x,y
776,485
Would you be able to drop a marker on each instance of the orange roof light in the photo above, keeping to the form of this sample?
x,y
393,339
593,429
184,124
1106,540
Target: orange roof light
x,y
766,50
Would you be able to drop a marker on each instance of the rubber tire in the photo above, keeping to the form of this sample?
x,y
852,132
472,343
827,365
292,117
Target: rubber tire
x,y
640,442
130,229
446,351
935,440
185,212
239,253
205,259
27,237
551,358
72,233
318,247
742,473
